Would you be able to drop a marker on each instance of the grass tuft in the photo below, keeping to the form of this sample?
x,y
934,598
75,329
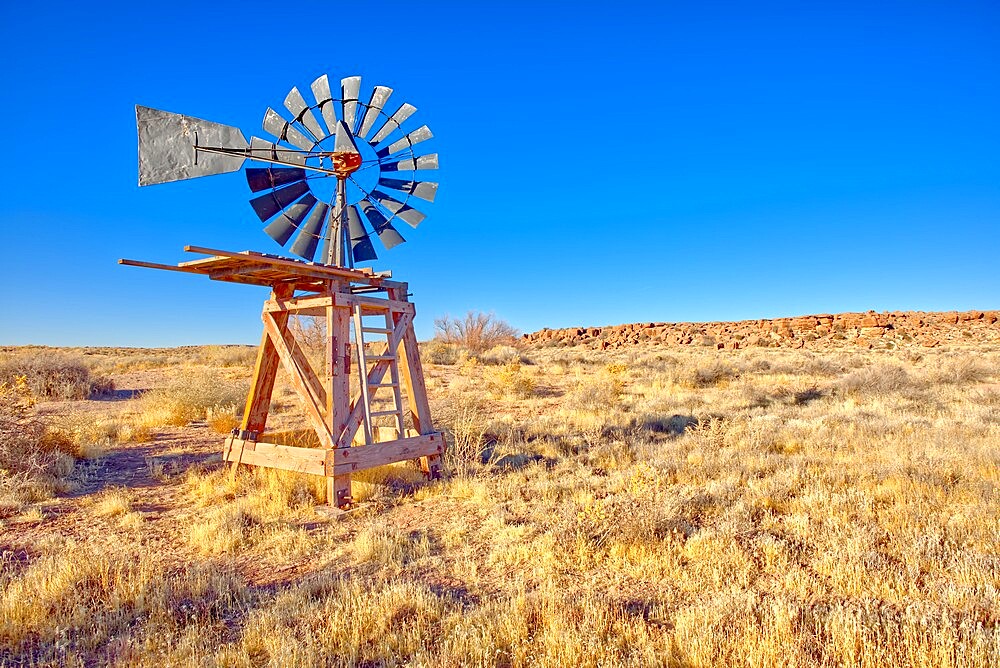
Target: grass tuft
x,y
190,398
53,376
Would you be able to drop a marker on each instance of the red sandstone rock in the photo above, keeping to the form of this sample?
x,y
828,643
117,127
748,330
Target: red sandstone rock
x,y
819,331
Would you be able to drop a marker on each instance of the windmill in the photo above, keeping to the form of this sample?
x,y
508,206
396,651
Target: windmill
x,y
357,144
339,172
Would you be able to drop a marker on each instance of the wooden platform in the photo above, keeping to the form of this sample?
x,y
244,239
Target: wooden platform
x,y
254,268
344,438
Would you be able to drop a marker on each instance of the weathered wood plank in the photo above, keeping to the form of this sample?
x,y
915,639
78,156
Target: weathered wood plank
x,y
340,300
361,274
351,460
313,410
300,303
153,265
262,385
284,457
339,355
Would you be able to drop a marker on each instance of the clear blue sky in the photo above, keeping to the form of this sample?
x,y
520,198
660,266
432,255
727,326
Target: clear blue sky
x,y
600,162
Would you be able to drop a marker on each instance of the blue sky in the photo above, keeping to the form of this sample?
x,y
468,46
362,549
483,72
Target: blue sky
x,y
600,162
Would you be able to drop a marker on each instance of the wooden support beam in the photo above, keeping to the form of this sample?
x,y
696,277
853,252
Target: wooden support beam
x,y
402,322
339,300
408,352
376,305
331,463
339,356
301,384
272,455
262,386
220,274
352,460
314,302
316,391
151,265
338,347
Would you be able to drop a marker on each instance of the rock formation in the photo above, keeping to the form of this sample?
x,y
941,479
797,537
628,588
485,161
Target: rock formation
x,y
868,330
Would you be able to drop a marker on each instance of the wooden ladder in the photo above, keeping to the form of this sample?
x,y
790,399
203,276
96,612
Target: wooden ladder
x,y
368,390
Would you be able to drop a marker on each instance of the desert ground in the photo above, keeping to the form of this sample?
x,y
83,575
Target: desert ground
x,y
671,500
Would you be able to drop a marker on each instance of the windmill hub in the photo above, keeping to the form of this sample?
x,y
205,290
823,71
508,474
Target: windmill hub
x,y
345,164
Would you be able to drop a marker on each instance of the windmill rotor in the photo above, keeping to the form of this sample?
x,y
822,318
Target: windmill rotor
x,y
336,171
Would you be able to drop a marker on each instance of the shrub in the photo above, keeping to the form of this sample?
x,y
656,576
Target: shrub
x,y
310,332
222,419
467,425
877,379
960,371
502,355
602,392
53,376
713,373
32,458
439,352
228,356
510,380
190,398
476,333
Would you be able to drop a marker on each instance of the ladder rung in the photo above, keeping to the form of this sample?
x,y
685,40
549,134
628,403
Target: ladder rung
x,y
383,384
377,330
383,413
377,358
374,307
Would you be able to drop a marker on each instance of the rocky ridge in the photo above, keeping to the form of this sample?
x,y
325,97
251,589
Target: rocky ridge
x,y
867,330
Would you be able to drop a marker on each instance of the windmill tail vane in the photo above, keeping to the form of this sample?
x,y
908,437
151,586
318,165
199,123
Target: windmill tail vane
x,y
338,170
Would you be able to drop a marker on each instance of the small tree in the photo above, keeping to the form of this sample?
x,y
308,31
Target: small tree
x,y
477,332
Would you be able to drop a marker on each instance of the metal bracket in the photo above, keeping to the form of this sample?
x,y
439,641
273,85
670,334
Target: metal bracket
x,y
245,435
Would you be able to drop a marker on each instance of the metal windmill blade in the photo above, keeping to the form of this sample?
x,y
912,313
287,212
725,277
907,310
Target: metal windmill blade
x,y
411,164
425,190
271,204
387,234
295,103
284,226
276,125
324,101
400,210
305,244
350,87
394,122
169,143
361,245
408,142
375,104
262,178
266,151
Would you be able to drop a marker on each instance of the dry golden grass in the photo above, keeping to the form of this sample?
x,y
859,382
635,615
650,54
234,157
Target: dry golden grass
x,y
52,375
34,458
649,507
196,395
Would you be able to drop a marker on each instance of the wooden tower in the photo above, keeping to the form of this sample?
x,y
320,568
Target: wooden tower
x,y
344,436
